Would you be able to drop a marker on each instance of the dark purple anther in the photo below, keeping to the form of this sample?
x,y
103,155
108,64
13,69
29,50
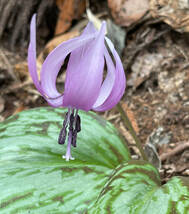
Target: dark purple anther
x,y
77,129
63,132
71,122
74,137
78,124
62,136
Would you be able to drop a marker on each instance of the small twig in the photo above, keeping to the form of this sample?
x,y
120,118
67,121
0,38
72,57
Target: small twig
x,y
112,117
10,70
182,146
182,52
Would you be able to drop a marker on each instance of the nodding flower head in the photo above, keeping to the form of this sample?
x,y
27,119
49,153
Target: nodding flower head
x,y
85,88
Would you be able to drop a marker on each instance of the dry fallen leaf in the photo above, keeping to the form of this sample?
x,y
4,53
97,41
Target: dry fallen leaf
x,y
131,116
21,70
128,12
69,10
173,12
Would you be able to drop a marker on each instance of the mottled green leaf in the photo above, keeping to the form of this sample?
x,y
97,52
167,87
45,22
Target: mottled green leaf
x,y
33,176
135,188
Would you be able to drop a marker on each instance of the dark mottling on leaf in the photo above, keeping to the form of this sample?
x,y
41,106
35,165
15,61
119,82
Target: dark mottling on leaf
x,y
99,186
115,151
112,199
14,199
88,202
67,169
108,187
146,172
155,177
2,130
173,208
58,198
87,169
108,209
43,126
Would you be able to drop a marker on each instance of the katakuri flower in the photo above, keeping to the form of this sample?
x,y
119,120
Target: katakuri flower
x,y
84,88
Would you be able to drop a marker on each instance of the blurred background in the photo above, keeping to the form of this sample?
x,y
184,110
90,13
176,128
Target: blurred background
x,y
152,38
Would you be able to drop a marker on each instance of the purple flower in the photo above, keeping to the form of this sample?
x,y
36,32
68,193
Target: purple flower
x,y
85,88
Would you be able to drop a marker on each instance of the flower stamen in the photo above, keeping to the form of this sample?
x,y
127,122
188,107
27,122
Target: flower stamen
x,y
74,127
63,131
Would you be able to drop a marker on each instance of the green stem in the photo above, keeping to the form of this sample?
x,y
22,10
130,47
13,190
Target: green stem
x,y
129,126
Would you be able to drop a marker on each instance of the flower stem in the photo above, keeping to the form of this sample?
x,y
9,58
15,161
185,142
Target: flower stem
x,y
129,126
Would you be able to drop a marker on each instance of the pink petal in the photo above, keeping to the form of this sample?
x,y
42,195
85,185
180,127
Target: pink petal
x,y
119,83
85,73
32,55
108,83
54,61
32,64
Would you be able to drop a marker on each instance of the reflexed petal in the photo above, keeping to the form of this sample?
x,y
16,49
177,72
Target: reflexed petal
x,y
108,83
32,55
54,61
119,84
85,74
32,65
